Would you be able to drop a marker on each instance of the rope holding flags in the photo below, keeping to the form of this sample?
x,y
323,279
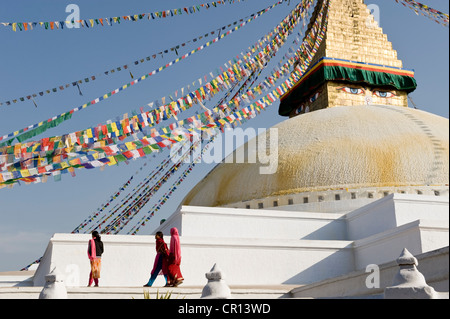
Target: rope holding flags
x,y
96,161
31,130
92,78
248,112
433,14
110,21
130,198
60,147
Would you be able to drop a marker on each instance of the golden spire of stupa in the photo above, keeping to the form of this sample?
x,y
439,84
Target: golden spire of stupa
x,y
355,65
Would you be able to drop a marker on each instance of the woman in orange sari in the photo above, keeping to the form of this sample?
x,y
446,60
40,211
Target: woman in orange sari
x,y
174,277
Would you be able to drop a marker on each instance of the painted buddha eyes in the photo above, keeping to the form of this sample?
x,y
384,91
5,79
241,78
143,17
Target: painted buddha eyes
x,y
357,91
314,97
351,90
299,110
384,94
304,107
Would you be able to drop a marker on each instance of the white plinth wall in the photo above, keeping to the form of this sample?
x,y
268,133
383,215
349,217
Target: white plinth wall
x,y
262,247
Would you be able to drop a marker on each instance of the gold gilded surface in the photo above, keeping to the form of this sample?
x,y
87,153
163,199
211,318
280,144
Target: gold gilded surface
x,y
339,147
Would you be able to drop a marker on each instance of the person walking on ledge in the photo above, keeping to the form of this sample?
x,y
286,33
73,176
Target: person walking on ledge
x,y
160,265
175,277
95,251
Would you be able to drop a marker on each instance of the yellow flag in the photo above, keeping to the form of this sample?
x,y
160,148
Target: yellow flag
x,y
112,161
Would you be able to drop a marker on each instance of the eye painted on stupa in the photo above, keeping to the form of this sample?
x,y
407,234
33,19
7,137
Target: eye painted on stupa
x,y
384,94
299,110
314,97
352,90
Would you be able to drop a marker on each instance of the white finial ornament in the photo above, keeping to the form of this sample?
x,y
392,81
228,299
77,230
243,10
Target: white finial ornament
x,y
409,283
216,288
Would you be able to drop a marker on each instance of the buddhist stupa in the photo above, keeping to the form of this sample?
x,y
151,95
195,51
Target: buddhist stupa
x,y
350,132
334,205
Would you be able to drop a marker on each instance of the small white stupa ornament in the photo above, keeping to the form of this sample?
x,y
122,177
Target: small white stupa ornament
x,y
54,287
216,288
409,283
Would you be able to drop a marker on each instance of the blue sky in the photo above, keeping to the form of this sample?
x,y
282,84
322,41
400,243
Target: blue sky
x,y
37,60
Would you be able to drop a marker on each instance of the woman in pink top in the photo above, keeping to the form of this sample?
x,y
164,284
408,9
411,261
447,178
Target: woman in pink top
x,y
95,251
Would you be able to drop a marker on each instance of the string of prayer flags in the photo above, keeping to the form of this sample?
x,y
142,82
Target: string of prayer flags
x,y
132,210
104,156
108,203
149,178
134,207
119,153
110,21
167,195
87,135
31,131
143,119
91,78
255,107
37,261
433,14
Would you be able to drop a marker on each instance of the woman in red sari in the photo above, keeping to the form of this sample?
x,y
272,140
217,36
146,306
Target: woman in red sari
x,y
160,264
175,277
